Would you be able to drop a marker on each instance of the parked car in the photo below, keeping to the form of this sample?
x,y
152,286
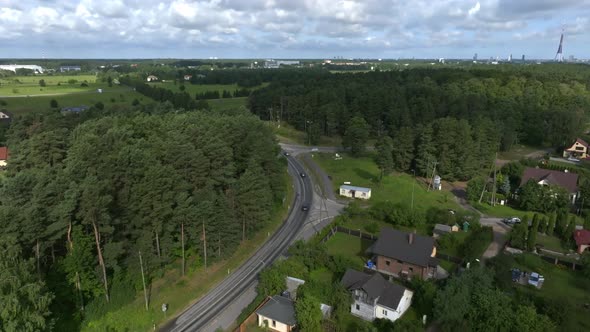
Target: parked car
x,y
512,221
573,159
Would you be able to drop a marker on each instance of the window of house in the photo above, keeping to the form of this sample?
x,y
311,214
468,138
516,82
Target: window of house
x,y
580,148
387,263
358,307
399,262
384,312
411,269
274,323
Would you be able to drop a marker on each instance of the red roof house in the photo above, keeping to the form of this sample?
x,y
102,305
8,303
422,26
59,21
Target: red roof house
x,y
3,153
582,238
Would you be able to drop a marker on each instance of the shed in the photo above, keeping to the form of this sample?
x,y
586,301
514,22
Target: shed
x,y
355,192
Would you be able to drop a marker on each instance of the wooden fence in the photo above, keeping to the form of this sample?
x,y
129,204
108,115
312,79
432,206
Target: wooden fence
x,y
352,232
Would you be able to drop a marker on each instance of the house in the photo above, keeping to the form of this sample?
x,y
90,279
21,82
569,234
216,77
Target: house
x,y
152,78
278,314
355,192
3,156
545,177
188,77
578,150
74,109
374,297
440,229
64,69
582,238
404,255
5,117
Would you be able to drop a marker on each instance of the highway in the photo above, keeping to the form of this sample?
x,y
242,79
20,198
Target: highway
x,y
198,315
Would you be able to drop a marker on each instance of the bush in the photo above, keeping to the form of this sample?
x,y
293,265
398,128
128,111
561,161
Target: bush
x,y
477,242
53,103
372,227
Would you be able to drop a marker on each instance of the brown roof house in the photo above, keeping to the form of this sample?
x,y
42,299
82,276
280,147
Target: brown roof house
x,y
578,150
3,156
582,238
545,177
404,255
374,297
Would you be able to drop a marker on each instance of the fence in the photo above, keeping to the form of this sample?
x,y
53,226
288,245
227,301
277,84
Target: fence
x,y
353,232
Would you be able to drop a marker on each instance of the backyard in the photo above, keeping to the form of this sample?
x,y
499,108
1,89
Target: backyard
x,y
349,246
396,188
561,285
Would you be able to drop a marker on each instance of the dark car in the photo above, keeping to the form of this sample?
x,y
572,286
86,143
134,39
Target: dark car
x,y
304,207
286,154
302,175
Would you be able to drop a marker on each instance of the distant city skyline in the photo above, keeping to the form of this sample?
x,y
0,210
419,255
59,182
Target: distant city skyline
x,y
388,29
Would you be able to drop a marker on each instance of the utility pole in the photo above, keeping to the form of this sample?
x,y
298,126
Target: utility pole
x,y
143,280
433,174
486,181
494,185
205,246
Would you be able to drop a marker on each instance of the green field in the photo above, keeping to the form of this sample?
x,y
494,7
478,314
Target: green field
x,y
179,292
396,188
110,96
55,84
228,103
192,89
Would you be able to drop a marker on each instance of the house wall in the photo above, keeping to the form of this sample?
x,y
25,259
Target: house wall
x,y
357,194
345,193
582,247
395,267
3,163
394,314
579,151
280,327
365,311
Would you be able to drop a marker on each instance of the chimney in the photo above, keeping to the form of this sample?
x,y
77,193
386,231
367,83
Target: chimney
x,y
411,238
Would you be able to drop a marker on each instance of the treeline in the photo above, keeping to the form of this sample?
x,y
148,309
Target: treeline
x,y
243,92
84,197
181,99
521,106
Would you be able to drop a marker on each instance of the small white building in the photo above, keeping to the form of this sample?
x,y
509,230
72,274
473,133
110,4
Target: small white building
x,y
278,314
355,192
152,78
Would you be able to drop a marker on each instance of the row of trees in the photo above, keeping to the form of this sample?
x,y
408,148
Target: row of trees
x,y
530,107
180,100
524,234
243,92
85,195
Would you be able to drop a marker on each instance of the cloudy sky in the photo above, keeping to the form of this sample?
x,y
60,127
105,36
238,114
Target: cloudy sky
x,y
292,28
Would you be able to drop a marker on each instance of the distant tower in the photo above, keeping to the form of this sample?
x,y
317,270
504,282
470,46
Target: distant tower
x,y
559,55
523,58
475,57
510,58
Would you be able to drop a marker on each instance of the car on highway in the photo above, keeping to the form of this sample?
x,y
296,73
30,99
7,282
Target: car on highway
x,y
304,207
302,174
286,154
314,150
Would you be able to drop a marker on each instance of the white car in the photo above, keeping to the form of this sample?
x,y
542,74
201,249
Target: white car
x,y
314,150
512,221
573,159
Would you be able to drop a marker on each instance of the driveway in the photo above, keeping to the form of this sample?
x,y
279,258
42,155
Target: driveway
x,y
500,230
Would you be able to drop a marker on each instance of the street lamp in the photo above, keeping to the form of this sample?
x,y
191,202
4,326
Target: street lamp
x,y
308,135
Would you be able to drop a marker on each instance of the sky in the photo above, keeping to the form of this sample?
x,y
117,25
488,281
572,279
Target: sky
x,y
293,28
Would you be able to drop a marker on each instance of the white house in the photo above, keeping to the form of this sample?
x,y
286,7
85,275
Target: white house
x,y
278,314
152,78
355,192
374,297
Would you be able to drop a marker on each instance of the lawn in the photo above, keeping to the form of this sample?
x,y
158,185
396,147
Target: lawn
x,y
349,246
321,275
396,187
29,85
551,243
180,292
228,103
518,151
560,283
503,211
110,96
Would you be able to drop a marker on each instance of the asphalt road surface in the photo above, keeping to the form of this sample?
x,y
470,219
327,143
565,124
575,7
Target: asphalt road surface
x,y
201,313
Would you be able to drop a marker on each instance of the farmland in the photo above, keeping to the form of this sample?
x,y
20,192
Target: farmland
x,y
16,86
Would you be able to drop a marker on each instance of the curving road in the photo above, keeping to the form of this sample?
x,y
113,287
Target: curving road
x,y
201,313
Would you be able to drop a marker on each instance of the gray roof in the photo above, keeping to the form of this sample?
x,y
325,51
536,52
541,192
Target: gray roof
x,y
387,294
279,308
396,244
292,285
440,228
355,188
